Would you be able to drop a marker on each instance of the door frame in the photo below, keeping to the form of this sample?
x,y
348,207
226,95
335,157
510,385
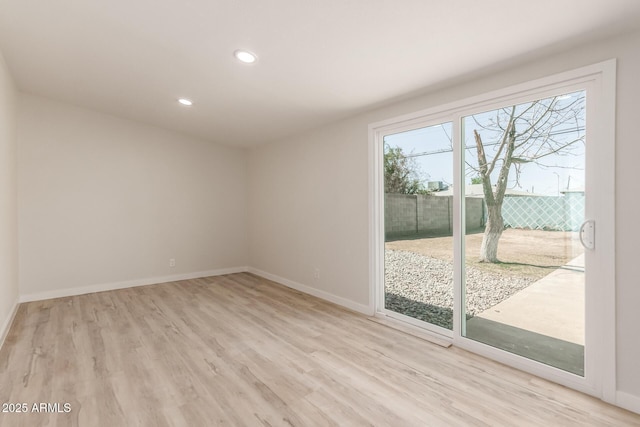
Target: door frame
x,y
600,321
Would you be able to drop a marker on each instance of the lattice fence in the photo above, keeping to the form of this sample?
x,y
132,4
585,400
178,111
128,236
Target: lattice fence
x,y
564,213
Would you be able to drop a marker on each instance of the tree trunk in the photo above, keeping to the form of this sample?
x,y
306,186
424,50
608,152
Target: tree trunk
x,y
492,232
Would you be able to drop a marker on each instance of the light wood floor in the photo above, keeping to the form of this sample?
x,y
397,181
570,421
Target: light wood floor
x,y
240,350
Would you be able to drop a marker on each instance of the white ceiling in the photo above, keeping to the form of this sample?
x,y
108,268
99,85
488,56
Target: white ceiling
x,y
318,60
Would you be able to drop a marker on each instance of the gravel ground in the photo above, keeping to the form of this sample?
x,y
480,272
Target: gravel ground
x,y
422,287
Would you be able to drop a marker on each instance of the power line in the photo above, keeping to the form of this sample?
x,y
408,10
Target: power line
x,y
468,147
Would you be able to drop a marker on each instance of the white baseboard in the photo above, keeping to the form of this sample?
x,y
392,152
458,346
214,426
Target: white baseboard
x,y
39,296
628,401
351,305
4,329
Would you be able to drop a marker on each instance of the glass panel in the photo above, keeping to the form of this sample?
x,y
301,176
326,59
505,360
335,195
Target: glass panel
x,y
524,266
418,168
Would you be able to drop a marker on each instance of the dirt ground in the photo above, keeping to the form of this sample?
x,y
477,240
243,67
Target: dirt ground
x,y
528,253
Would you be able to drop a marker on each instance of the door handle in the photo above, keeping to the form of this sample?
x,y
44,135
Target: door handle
x,y
587,234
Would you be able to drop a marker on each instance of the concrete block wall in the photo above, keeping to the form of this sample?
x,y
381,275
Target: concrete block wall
x,y
475,213
411,214
400,214
435,214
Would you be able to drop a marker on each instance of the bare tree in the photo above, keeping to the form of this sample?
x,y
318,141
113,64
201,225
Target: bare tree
x,y
517,135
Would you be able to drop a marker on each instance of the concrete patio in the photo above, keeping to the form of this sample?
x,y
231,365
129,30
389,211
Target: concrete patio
x,y
544,322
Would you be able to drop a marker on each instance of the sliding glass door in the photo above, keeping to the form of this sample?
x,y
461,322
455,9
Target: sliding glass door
x,y
418,211
484,225
524,282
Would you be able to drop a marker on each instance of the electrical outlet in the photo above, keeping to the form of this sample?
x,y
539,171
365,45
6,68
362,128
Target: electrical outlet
x,y
316,273
172,262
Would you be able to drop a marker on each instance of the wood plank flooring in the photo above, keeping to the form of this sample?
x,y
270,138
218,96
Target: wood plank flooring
x,y
240,350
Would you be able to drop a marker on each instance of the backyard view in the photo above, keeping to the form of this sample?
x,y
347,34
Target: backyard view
x,y
524,195
420,280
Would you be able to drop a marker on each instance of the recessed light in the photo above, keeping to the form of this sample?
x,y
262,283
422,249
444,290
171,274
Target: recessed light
x,y
245,56
185,101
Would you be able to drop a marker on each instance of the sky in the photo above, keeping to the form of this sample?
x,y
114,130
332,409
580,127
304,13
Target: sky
x,y
431,148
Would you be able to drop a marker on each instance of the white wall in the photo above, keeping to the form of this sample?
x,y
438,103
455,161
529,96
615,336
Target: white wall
x,y
309,210
8,200
106,201
308,194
